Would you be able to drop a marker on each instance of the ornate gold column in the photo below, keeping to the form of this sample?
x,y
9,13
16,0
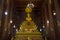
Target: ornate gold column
x,y
49,21
1,12
45,18
5,19
6,14
57,20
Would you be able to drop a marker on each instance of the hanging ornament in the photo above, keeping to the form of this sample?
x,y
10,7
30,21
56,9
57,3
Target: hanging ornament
x,y
30,5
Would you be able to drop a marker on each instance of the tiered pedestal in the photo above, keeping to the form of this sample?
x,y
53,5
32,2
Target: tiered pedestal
x,y
28,36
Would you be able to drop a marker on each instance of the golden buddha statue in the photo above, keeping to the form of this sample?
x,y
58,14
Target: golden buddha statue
x,y
28,29
28,25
